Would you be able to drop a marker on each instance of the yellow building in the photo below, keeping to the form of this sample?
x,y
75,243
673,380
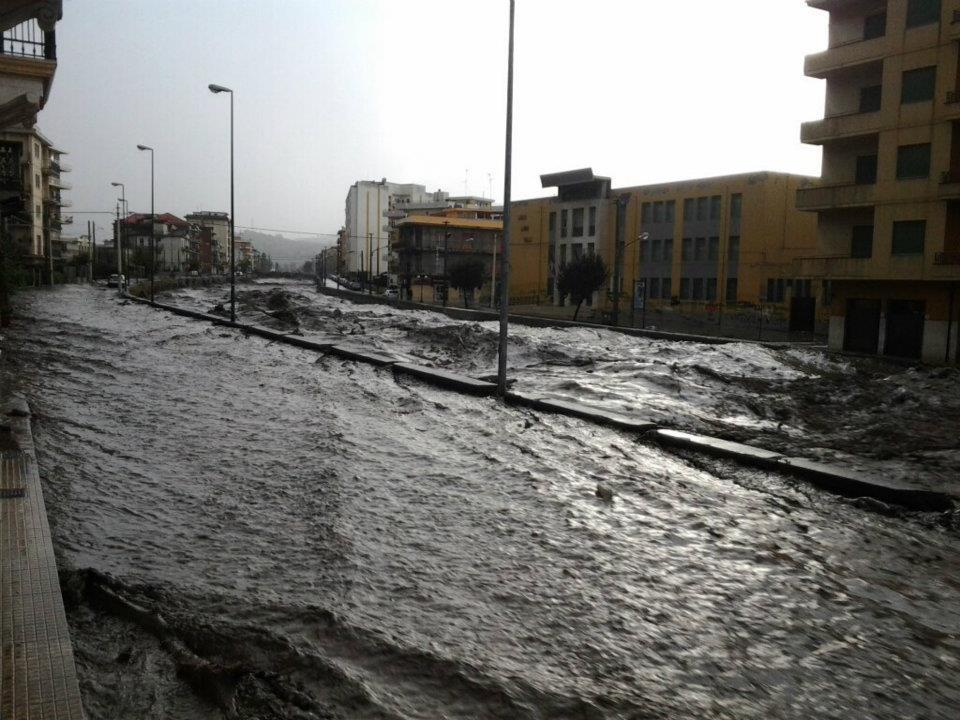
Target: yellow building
x,y
699,248
888,206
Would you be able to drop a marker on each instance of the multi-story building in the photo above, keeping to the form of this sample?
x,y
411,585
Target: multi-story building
x,y
31,187
699,247
888,206
218,224
176,243
28,58
370,207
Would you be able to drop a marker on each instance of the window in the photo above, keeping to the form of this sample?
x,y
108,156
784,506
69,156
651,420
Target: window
x,y
861,241
866,173
655,250
684,288
563,223
776,290
733,248
668,211
593,222
731,290
874,26
658,212
918,85
665,288
577,222
590,249
653,287
713,249
36,181
688,210
922,12
576,251
700,249
644,257
711,288
36,150
702,208
687,250
668,250
870,98
646,213
698,288
736,206
913,161
553,225
715,207
563,255
908,237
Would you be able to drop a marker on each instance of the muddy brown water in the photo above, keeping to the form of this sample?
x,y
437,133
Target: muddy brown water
x,y
245,530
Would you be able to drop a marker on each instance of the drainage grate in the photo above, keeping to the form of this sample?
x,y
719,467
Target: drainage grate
x,y
9,493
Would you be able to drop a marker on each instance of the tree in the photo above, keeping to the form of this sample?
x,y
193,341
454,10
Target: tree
x,y
245,265
581,278
467,276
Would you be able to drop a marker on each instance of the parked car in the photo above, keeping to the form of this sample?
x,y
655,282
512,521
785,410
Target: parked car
x,y
117,281
393,292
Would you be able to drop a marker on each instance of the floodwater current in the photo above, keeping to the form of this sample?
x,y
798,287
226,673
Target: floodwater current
x,y
247,529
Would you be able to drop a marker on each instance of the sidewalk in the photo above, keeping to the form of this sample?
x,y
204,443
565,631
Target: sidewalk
x,y
38,677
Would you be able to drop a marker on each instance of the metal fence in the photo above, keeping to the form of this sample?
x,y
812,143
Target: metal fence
x,y
29,41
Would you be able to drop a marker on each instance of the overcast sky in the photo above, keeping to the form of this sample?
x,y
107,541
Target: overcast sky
x,y
332,91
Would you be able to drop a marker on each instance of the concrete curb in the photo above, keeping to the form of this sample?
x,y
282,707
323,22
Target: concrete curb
x,y
445,379
828,477
584,412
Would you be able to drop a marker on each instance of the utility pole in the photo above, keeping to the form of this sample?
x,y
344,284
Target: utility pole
x,y
622,201
505,236
493,274
93,246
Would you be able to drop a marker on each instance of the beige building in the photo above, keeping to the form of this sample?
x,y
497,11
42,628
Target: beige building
x,y
29,58
31,181
888,205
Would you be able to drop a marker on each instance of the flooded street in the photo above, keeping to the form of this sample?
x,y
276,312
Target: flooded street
x,y
247,529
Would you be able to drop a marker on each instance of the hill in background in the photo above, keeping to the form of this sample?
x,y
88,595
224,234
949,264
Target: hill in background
x,y
290,254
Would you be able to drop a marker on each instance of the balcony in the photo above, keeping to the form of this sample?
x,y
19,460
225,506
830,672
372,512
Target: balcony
x,y
826,197
28,40
834,266
953,29
949,185
817,132
56,182
946,258
847,55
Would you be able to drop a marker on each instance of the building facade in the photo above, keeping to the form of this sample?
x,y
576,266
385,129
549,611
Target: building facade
x,y
888,205
370,208
28,60
31,193
699,247
218,224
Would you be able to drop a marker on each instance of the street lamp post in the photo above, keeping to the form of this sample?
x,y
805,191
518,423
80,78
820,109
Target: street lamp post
x,y
153,223
233,270
123,201
633,311
505,235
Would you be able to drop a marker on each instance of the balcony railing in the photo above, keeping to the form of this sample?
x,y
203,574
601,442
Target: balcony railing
x,y
27,40
946,258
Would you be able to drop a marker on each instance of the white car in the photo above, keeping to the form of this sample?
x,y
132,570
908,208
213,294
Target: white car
x,y
393,292
117,281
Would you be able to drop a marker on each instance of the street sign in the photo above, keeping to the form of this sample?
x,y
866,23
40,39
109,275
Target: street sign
x,y
639,294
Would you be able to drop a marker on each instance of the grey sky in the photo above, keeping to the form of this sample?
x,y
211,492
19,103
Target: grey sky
x,y
331,91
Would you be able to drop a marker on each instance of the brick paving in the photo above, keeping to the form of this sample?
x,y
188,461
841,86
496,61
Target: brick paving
x,y
38,677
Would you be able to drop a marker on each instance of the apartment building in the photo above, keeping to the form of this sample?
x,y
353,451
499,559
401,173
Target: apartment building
x,y
31,187
218,238
888,204
370,208
697,247
28,58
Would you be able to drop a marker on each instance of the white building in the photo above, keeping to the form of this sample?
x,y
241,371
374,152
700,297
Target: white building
x,y
370,207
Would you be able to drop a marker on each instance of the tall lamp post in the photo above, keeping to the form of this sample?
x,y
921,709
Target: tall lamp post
x,y
233,270
505,235
123,202
153,223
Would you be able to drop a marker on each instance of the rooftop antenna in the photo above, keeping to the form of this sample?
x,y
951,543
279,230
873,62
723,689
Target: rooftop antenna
x,y
490,183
